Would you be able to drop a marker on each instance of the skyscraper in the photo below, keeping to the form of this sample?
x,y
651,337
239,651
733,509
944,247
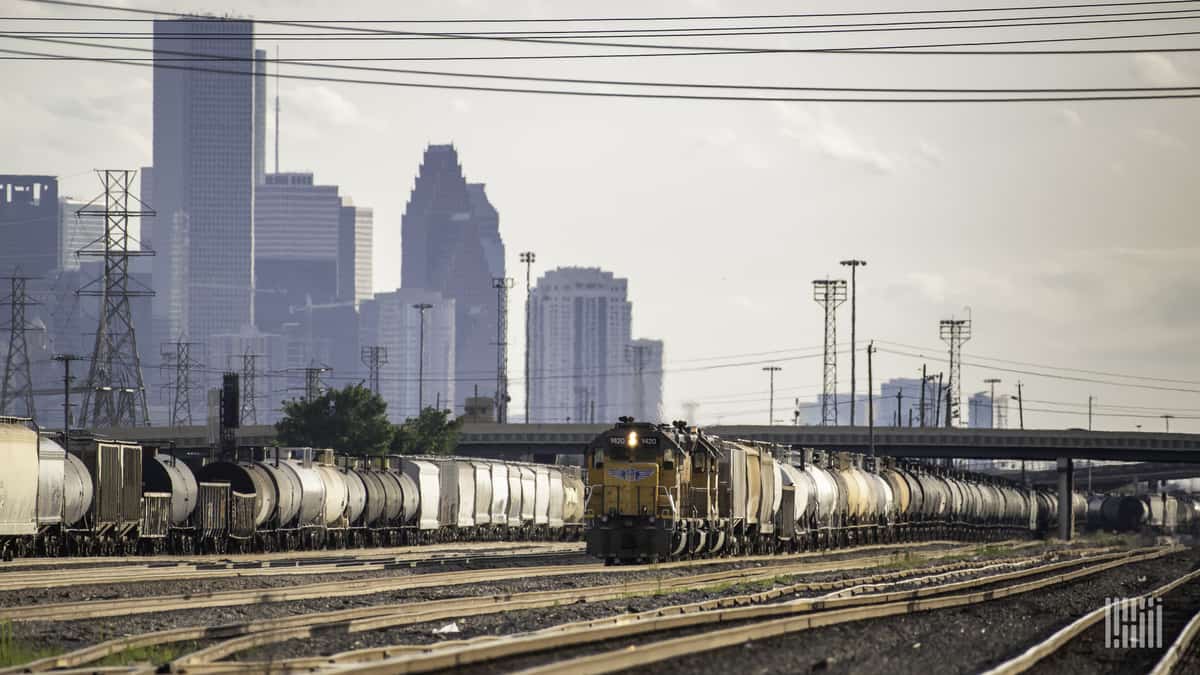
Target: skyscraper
x,y
355,250
29,217
644,362
76,232
204,178
579,346
389,320
452,245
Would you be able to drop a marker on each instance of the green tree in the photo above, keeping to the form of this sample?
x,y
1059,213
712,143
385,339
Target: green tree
x,y
431,433
352,420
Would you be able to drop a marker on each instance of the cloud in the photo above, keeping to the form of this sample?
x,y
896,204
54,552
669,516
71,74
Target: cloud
x,y
322,105
817,127
1070,116
1160,70
751,155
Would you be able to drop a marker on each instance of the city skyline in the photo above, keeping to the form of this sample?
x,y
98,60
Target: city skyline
x,y
947,213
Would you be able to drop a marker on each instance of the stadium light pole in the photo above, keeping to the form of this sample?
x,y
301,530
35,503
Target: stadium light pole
x,y
528,257
772,370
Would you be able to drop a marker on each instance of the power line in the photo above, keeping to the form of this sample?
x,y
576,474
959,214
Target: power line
x,y
711,17
1161,93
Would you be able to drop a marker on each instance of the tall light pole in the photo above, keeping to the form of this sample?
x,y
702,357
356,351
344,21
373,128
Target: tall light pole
x,y
993,381
772,370
421,307
853,265
528,258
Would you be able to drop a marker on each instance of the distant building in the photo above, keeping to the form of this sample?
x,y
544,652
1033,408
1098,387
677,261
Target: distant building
x,y
390,320
29,223
580,321
645,363
297,226
451,244
205,162
979,412
229,351
356,231
77,232
903,395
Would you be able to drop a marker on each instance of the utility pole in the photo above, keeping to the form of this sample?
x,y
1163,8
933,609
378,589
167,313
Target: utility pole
x,y
502,284
924,385
899,404
954,332
853,265
1089,429
528,257
993,381
937,408
66,360
871,398
374,357
1167,419
249,408
115,394
18,382
421,307
1021,421
179,355
829,294
772,370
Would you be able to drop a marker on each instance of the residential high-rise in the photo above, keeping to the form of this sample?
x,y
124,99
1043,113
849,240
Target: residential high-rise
x,y
391,321
355,250
205,158
452,245
580,321
29,221
644,362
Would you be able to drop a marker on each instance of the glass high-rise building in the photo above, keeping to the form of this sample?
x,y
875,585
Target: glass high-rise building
x,y
205,162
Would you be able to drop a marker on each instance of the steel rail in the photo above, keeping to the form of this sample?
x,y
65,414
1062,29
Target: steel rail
x,y
1030,657
426,658
1178,648
100,650
641,655
91,609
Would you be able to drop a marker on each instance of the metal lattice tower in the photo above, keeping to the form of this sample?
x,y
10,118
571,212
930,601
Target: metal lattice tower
x,y
829,293
312,382
18,382
374,357
115,394
502,284
249,412
955,332
178,357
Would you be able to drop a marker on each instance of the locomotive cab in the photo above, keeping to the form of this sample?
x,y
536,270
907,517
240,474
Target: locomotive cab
x,y
638,477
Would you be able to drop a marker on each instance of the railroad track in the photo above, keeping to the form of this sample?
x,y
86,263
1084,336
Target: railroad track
x,y
23,581
92,609
754,622
1039,654
253,634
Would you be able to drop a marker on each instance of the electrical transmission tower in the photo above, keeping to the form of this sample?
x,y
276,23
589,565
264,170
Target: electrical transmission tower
x,y
115,394
830,294
955,332
178,357
18,382
249,412
312,382
502,284
374,357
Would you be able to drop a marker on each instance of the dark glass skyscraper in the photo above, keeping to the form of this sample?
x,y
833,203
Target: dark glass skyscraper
x,y
204,179
452,245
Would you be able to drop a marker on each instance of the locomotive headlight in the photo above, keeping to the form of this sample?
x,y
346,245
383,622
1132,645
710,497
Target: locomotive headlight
x,y
632,440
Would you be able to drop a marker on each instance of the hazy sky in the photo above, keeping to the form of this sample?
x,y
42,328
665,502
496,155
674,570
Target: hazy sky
x,y
1068,228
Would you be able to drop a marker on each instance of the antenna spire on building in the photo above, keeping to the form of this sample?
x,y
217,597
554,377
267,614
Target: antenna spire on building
x,y
18,383
115,394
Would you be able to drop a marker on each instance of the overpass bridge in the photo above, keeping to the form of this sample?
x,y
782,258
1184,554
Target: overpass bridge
x,y
927,442
1108,477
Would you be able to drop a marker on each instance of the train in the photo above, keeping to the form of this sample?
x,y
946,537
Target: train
x,y
105,497
1160,513
668,491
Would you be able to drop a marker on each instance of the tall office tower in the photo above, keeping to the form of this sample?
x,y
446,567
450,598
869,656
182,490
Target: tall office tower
x,y
28,224
296,232
205,156
452,245
579,346
644,363
75,232
391,321
979,411
355,251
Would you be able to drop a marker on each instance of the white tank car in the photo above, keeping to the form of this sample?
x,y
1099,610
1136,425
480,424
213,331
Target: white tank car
x,y
541,495
500,488
554,509
483,493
